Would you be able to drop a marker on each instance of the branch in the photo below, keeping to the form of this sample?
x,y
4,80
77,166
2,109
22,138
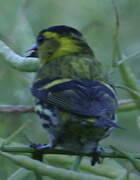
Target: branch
x,y
127,105
16,109
18,62
45,169
124,105
27,149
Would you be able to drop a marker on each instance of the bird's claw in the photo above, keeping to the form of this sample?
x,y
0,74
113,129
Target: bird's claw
x,y
96,158
40,147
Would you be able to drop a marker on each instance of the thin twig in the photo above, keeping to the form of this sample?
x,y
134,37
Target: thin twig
x,y
127,74
16,109
130,90
125,58
15,133
116,48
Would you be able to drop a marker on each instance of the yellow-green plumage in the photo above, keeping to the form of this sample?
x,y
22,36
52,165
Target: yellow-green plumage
x,y
76,106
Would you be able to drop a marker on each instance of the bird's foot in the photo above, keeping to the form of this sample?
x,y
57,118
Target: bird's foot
x,y
96,158
39,151
41,147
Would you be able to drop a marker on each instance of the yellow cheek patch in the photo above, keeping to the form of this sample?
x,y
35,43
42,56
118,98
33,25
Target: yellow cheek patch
x,y
67,45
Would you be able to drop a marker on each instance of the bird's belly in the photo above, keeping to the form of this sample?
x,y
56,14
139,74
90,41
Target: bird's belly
x,y
81,137
73,132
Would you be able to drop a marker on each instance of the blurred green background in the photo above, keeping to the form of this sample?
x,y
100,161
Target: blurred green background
x,y
20,22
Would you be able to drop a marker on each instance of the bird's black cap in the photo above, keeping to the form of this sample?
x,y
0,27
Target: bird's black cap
x,y
62,30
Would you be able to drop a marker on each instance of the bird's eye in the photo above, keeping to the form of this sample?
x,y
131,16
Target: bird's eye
x,y
40,40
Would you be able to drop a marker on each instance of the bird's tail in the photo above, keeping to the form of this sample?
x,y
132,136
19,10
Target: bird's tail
x,y
105,122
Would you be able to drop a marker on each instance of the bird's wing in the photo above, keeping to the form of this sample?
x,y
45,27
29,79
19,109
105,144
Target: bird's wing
x,y
82,97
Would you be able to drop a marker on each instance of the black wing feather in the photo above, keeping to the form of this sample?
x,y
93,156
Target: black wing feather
x,y
83,97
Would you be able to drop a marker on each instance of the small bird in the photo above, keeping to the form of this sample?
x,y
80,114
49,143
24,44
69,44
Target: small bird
x,y
74,99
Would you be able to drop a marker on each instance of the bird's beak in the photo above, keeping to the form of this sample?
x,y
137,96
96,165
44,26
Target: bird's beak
x,y
32,52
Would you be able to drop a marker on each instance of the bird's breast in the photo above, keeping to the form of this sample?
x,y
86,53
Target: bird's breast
x,y
79,134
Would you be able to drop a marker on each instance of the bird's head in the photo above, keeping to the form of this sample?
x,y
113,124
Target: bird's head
x,y
59,41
